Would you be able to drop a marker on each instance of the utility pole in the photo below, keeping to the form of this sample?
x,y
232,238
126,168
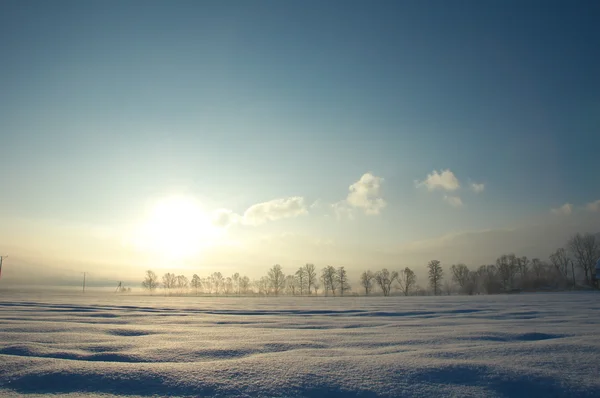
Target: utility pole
x,y
84,282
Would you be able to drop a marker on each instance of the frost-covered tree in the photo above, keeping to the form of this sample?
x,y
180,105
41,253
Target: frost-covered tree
x,y
329,279
407,280
585,249
236,283
342,281
244,285
436,274
301,280
196,284
150,282
461,276
169,282
290,285
182,284
366,281
276,279
311,276
217,282
385,279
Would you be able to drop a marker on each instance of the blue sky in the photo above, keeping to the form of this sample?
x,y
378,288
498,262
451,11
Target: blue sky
x,y
106,105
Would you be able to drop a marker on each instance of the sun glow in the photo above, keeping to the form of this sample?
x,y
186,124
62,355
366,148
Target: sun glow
x,y
177,228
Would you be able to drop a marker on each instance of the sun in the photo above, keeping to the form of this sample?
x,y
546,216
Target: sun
x,y
176,227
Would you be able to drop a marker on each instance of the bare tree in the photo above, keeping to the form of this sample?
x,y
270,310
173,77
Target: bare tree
x,y
276,279
560,260
329,278
236,283
169,282
342,280
311,276
290,285
316,288
262,285
302,280
217,282
585,249
460,275
182,284
228,286
196,284
407,280
384,279
244,285
150,282
366,280
207,283
507,266
436,273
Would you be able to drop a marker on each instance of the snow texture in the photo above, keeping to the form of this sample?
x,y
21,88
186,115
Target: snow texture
x,y
522,345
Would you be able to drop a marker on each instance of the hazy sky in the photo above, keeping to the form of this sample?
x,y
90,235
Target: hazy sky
x,y
342,132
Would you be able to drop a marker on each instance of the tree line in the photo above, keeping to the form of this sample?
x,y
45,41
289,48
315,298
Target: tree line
x,y
563,269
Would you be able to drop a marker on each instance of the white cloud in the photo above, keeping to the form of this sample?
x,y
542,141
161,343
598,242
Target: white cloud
x,y
444,180
565,209
477,188
593,206
366,194
343,210
274,210
224,218
454,201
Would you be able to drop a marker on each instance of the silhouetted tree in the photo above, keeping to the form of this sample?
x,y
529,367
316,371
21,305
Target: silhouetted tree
x,y
311,276
366,280
560,260
384,279
407,279
276,279
342,280
435,275
150,282
585,250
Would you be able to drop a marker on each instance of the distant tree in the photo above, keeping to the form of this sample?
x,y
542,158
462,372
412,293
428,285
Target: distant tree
x,y
311,276
244,285
342,280
169,281
290,285
301,279
217,282
366,280
489,281
150,282
561,262
236,283
207,283
436,274
507,266
316,288
407,280
523,267
276,279
228,286
585,249
262,286
461,276
196,284
329,279
182,284
448,288
385,279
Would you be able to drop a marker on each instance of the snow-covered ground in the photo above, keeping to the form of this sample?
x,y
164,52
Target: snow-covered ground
x,y
527,345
